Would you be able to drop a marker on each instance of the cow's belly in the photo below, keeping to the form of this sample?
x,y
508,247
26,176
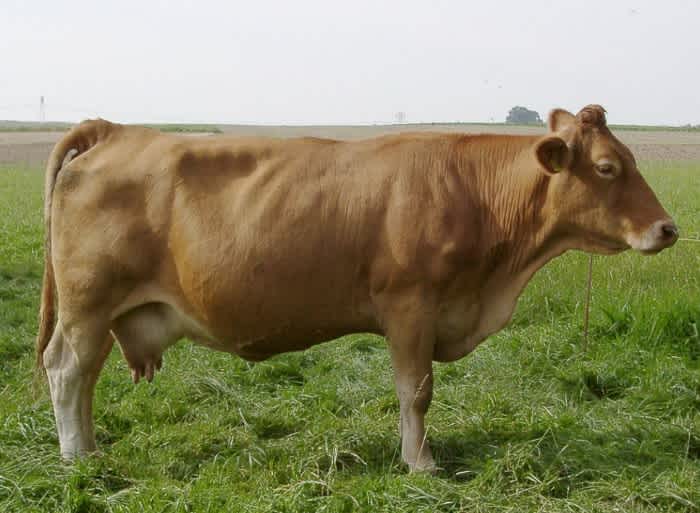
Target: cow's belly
x,y
282,341
153,317
278,313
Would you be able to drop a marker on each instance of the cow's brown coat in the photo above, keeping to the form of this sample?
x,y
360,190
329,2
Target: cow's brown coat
x,y
259,246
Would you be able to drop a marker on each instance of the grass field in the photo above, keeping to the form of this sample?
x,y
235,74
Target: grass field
x,y
531,421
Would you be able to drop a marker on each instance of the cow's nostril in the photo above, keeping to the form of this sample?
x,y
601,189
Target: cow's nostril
x,y
669,230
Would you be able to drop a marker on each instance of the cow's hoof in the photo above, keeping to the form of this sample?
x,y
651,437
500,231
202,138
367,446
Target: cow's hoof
x,y
73,456
426,465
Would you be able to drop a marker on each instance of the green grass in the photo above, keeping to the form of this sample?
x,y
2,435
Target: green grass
x,y
59,126
34,126
529,422
657,128
184,128
614,127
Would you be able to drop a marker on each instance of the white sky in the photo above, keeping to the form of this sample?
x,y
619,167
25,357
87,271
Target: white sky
x,y
355,61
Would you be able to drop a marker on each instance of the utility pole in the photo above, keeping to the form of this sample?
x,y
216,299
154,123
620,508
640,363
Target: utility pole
x,y
42,109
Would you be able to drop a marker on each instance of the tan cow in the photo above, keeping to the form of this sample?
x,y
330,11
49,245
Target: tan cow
x,y
259,246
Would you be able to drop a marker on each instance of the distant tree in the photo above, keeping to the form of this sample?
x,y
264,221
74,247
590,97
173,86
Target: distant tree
x,y
523,116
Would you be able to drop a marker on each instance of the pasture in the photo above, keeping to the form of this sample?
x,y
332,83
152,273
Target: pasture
x,y
531,421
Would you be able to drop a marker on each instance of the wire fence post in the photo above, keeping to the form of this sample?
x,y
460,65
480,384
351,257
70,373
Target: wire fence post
x,y
587,307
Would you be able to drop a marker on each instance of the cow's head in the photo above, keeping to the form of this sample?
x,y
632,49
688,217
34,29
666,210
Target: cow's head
x,y
600,199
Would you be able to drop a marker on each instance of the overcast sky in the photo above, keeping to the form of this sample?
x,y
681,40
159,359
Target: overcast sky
x,y
354,62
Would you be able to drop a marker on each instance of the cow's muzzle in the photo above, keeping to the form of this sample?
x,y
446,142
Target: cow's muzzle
x,y
660,235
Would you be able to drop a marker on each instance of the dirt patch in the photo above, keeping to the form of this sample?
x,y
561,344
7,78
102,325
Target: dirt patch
x,y
27,149
666,151
31,149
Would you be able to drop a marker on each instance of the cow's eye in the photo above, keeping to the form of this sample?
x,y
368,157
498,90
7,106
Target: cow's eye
x,y
605,170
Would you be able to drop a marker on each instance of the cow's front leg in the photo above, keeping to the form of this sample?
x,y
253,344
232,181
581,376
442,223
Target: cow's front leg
x,y
411,339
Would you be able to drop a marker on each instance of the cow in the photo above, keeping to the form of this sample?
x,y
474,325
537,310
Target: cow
x,y
259,246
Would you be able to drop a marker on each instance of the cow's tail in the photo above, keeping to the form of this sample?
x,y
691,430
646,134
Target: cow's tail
x,y
80,139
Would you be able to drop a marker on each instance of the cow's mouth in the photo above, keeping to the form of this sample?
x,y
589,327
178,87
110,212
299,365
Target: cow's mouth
x,y
600,245
659,236
612,246
614,249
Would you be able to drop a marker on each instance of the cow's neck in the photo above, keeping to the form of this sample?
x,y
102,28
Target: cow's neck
x,y
518,222
513,235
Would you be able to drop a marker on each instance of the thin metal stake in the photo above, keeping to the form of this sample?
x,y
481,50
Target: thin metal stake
x,y
587,309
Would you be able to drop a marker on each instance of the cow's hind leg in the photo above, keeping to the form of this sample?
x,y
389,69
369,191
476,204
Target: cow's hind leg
x,y
73,361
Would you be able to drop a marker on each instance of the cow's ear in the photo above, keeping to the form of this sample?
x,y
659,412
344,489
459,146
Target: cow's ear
x,y
560,119
553,154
